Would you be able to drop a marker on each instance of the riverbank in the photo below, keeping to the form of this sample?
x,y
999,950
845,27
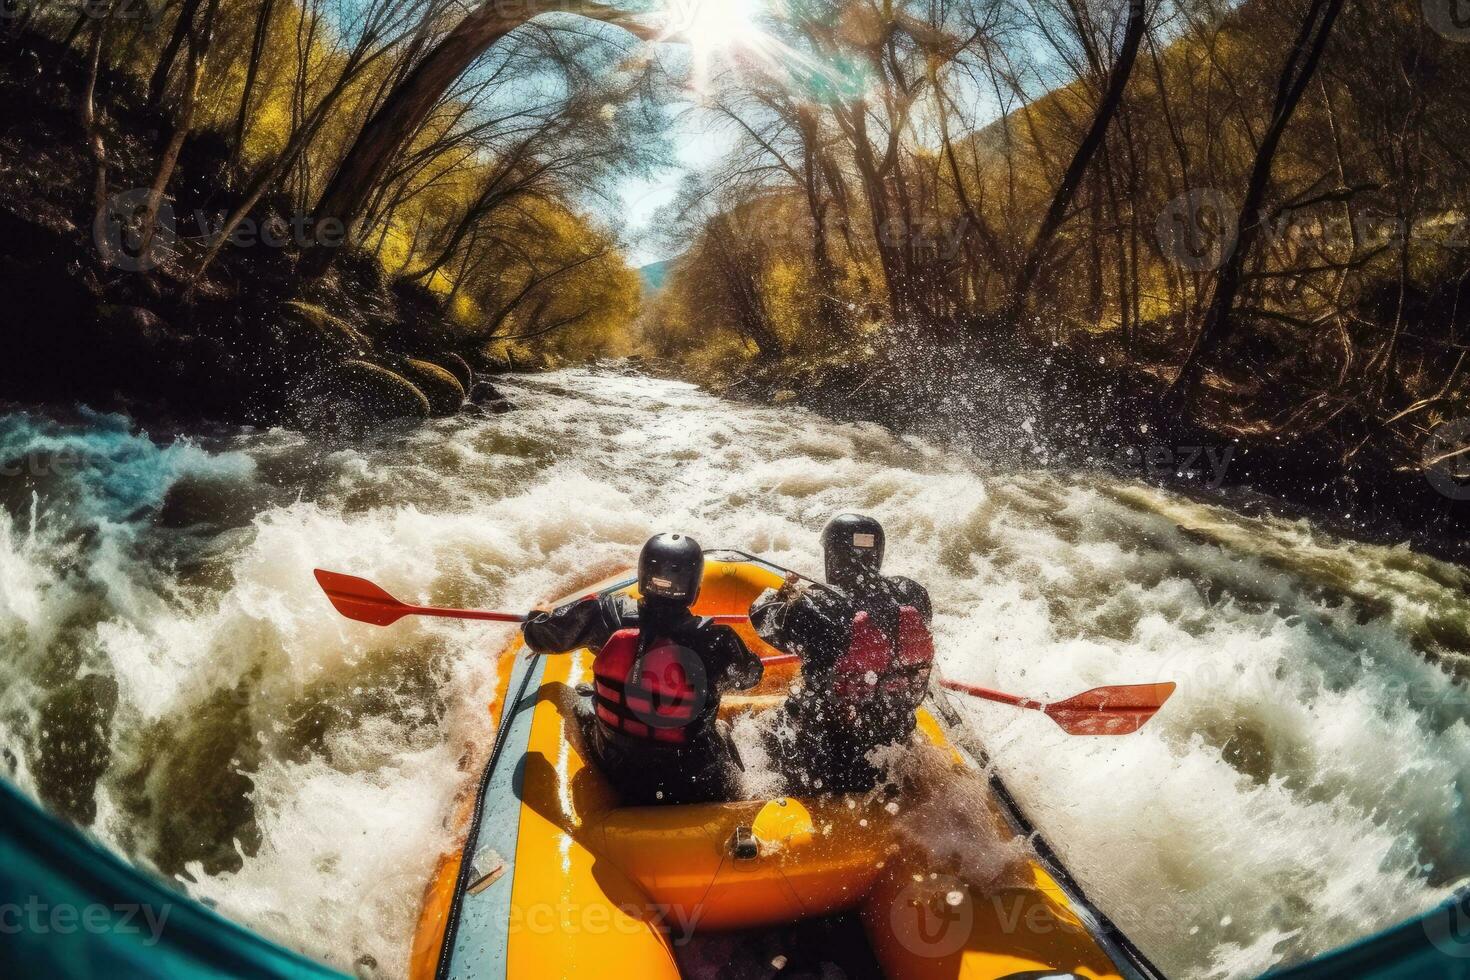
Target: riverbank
x,y
1078,408
104,313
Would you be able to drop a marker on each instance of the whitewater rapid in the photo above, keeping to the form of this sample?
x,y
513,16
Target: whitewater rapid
x,y
170,676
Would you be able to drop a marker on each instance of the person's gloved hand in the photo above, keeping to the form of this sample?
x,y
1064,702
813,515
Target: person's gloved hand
x,y
791,588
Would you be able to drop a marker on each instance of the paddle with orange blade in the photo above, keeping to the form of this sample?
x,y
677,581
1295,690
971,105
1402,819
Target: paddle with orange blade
x,y
363,602
1104,711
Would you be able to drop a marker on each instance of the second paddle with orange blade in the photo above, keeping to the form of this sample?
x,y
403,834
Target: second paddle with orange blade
x,y
1103,711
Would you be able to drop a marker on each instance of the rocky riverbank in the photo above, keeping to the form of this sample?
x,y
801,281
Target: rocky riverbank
x,y
91,321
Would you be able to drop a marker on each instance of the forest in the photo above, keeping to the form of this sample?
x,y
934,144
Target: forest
x,y
1254,214
1248,219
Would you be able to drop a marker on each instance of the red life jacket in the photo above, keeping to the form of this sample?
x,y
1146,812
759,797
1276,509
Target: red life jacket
x,y
666,699
875,668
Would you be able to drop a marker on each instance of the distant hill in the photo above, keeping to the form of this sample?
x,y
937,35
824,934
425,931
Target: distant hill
x,y
655,275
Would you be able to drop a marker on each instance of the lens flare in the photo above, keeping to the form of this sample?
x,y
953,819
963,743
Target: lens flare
x,y
714,30
714,25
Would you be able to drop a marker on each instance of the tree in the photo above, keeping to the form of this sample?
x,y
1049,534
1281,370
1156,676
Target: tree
x,y
1107,109
405,108
1301,65
378,32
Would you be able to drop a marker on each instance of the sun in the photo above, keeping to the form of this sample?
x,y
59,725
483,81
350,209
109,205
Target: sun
x,y
717,30
713,26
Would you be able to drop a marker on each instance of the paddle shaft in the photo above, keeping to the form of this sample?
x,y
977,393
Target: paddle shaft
x,y
999,697
364,602
471,614
1086,714
500,617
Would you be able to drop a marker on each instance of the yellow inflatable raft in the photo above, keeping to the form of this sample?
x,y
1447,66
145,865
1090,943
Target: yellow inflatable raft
x,y
942,879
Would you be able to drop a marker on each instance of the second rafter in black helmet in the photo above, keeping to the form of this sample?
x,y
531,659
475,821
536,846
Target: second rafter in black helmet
x,y
853,545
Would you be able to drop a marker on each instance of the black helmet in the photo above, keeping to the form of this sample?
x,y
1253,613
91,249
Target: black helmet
x,y
853,545
671,567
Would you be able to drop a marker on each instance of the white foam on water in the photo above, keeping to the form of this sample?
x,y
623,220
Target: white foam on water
x,y
1304,787
346,853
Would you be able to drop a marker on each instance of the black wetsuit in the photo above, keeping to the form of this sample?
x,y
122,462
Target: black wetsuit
x,y
817,624
703,768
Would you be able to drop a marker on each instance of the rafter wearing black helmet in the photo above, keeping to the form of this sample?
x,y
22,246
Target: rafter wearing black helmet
x,y
867,653
660,671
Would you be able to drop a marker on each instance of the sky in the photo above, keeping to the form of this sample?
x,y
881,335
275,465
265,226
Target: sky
x,y
698,143
702,34
697,147
715,29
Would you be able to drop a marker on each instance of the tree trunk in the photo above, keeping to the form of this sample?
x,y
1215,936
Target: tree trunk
x,y
1301,65
88,115
822,262
1061,202
252,72
183,29
875,188
199,43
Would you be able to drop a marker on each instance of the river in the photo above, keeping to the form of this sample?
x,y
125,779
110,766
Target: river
x,y
171,678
